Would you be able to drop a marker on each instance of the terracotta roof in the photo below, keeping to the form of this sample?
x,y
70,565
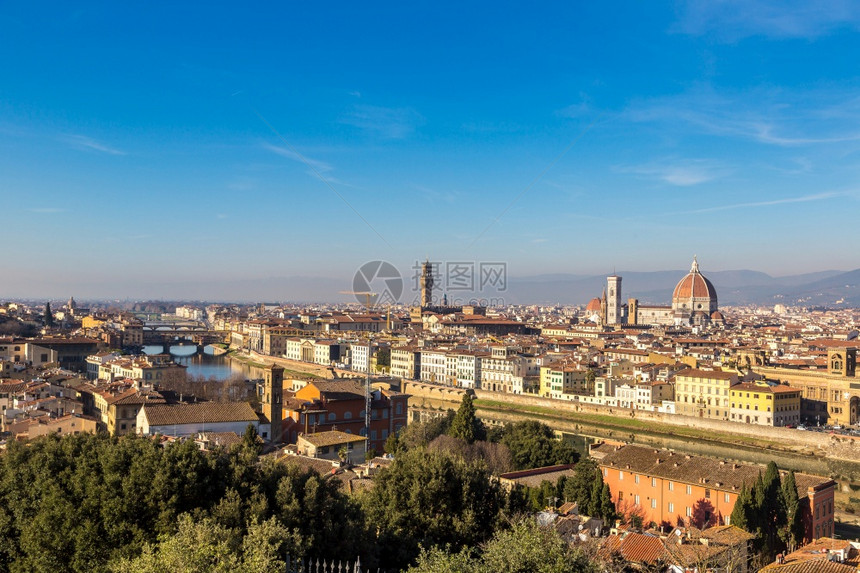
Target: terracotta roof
x,y
635,547
708,374
331,390
331,438
810,566
717,474
199,413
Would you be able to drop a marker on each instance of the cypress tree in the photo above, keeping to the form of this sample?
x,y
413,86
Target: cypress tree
x,y
49,316
465,425
771,508
791,532
607,508
742,508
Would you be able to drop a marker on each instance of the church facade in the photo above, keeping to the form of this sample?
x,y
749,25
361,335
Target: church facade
x,y
694,303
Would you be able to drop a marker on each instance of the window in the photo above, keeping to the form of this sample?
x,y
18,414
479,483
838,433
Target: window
x,y
671,486
654,503
331,417
620,475
399,408
671,507
347,415
636,499
689,511
689,490
707,494
726,498
653,482
636,479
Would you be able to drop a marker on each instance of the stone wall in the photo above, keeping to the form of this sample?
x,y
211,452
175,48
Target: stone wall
x,y
784,435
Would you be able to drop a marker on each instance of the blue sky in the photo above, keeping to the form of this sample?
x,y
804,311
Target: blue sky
x,y
188,143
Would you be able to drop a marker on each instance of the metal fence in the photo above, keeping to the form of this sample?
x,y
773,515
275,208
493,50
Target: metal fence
x,y
323,566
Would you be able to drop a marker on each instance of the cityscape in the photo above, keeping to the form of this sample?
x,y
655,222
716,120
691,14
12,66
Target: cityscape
x,y
430,288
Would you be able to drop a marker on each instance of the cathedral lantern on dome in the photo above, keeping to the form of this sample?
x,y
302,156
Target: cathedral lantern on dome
x,y
694,300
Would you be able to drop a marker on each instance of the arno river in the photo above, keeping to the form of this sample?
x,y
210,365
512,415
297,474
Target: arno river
x,y
208,366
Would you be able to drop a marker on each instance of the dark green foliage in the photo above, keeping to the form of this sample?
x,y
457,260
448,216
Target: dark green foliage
x,y
465,425
417,435
791,531
590,493
393,445
547,495
431,498
82,502
533,445
743,509
578,488
524,548
49,316
770,511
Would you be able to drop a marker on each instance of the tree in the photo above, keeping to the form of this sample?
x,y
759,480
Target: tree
x,y
742,510
431,499
419,434
533,445
791,532
204,546
465,425
251,441
49,316
578,488
524,548
393,445
771,509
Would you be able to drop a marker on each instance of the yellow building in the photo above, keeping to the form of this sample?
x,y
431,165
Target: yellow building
x,y
88,322
765,404
704,393
117,406
829,396
557,379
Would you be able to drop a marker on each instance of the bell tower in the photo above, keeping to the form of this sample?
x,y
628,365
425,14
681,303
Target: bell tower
x,y
427,284
842,361
273,400
613,300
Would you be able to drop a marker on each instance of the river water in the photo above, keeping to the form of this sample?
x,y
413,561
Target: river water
x,y
207,365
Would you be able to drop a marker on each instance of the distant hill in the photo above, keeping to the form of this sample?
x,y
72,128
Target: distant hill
x,y
733,287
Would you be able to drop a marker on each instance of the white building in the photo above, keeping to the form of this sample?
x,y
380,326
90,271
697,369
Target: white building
x,y
191,419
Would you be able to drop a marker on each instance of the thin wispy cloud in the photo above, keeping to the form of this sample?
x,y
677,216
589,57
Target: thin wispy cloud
x,y
46,210
769,116
320,166
89,144
577,109
732,20
769,203
680,172
434,195
385,122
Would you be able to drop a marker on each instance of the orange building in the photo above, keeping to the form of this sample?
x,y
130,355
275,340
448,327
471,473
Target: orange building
x,y
325,405
667,486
